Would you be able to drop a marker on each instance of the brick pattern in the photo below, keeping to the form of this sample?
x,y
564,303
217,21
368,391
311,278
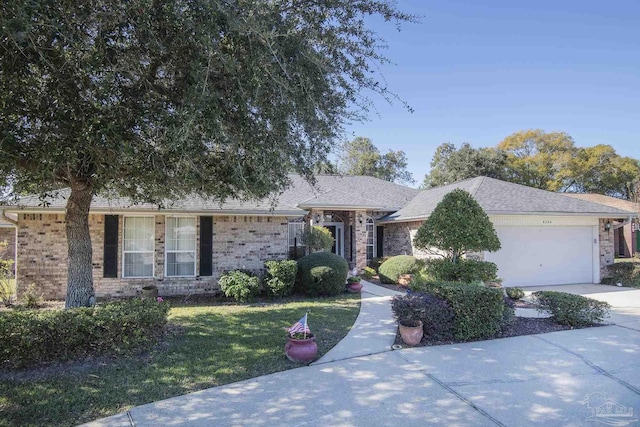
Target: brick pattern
x,y
42,255
239,242
607,250
398,239
246,242
360,238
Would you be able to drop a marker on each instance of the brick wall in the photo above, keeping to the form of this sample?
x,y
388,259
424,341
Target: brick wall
x,y
245,242
238,242
398,239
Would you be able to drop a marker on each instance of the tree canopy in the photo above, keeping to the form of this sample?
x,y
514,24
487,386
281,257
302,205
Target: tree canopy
x,y
547,160
361,157
451,164
457,226
154,100
538,159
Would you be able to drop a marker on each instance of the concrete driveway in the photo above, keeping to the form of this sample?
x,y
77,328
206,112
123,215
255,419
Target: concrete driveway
x,y
569,378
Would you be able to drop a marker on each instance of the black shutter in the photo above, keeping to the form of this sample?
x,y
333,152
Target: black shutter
x,y
206,245
110,261
379,241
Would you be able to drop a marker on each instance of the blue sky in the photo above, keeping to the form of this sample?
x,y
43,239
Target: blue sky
x,y
477,72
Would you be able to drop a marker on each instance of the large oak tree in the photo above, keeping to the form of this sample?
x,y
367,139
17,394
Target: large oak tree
x,y
154,100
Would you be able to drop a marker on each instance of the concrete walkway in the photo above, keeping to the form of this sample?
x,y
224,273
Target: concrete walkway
x,y
554,379
374,330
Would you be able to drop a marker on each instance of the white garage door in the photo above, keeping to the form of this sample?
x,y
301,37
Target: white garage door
x,y
536,256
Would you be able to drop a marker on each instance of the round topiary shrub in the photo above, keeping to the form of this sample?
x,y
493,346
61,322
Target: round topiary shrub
x,y
514,293
321,273
391,269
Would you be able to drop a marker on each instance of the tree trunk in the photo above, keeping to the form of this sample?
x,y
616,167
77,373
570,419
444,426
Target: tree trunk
x,y
79,265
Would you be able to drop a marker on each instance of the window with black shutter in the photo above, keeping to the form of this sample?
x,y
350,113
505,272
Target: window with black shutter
x,y
110,261
206,245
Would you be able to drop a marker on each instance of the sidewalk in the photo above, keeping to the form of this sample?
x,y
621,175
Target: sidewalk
x,y
374,330
533,380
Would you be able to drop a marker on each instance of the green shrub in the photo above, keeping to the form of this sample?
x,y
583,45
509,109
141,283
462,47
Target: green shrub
x,y
457,226
318,238
509,312
514,293
464,270
239,285
281,277
478,310
33,337
391,269
572,310
436,315
620,272
321,273
369,272
7,290
375,263
31,298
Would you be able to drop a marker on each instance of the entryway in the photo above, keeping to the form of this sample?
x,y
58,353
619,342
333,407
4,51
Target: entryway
x,y
337,231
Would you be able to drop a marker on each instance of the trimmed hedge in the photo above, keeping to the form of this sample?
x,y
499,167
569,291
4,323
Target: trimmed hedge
x,y
572,310
621,272
322,273
464,270
34,337
436,315
239,285
478,310
281,277
391,269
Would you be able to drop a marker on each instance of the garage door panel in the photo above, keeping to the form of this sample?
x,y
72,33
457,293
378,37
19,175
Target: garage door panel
x,y
534,256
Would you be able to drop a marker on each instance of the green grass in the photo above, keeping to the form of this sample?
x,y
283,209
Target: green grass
x,y
214,345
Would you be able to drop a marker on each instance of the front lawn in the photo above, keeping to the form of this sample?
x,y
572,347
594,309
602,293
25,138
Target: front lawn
x,y
210,345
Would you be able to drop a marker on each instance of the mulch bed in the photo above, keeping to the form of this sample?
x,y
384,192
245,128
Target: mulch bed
x,y
520,325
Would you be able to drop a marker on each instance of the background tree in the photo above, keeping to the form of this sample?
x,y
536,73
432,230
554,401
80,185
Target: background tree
x,y
154,100
450,164
601,170
539,159
457,226
361,157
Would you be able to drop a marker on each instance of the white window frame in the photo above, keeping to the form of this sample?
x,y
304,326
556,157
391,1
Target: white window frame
x,y
299,225
167,251
371,222
125,251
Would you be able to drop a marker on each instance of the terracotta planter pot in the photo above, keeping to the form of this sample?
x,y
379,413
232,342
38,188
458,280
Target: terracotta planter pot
x,y
411,335
150,291
354,287
301,350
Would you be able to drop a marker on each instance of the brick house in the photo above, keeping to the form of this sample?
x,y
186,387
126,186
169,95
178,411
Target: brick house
x,y
626,234
184,247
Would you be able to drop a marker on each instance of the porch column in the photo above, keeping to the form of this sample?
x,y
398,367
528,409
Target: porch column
x,y
360,238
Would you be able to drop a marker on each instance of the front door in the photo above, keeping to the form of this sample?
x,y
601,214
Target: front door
x,y
337,232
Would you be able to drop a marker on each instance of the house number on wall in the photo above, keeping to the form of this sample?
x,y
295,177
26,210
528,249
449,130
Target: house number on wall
x,y
547,221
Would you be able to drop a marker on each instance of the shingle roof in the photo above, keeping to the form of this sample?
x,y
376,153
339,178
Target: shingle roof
x,y
501,197
330,191
614,202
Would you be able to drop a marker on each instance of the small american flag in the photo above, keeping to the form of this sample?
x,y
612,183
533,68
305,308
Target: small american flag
x,y
300,326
